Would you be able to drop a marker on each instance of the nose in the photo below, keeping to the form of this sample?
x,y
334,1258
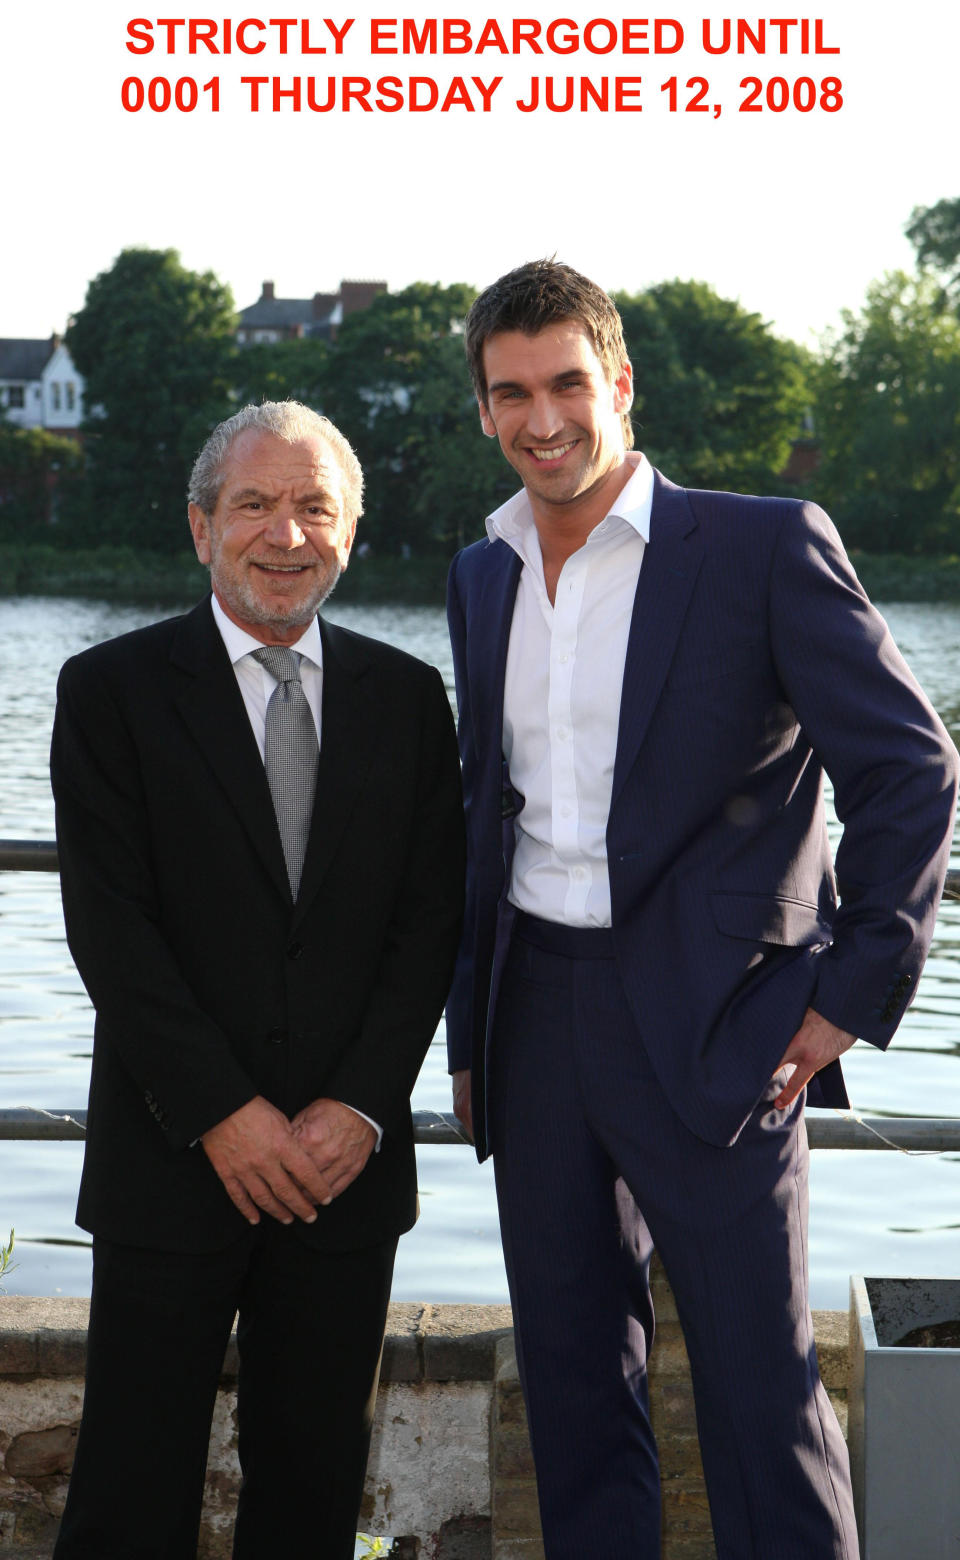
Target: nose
x,y
544,417
283,530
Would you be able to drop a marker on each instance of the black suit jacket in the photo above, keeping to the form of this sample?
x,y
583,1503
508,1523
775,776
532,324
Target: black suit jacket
x,y
210,985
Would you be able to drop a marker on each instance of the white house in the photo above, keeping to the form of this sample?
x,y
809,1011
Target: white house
x,y
39,385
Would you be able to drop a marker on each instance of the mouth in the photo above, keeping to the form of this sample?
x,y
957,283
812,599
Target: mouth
x,y
279,568
544,456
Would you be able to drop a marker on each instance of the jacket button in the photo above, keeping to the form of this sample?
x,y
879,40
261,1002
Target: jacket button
x,y
295,951
276,1036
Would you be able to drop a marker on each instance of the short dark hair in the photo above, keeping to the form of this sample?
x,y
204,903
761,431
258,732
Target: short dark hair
x,y
539,294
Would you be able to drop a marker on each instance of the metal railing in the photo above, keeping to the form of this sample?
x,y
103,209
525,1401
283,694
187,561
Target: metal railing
x,y
29,856
906,1134
41,856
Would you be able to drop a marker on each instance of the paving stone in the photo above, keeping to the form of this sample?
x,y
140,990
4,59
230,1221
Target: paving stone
x,y
459,1340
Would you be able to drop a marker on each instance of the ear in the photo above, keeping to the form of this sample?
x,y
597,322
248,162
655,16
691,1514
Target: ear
x,y
200,531
623,388
486,421
345,541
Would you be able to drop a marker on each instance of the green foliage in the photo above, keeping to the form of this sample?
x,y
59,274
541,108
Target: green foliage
x,y
897,577
888,418
398,387
719,402
719,397
6,1252
934,232
36,469
154,343
420,580
171,583
282,371
107,573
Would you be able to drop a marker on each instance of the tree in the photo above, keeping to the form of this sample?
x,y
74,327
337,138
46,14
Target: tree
x,y
888,417
934,232
398,387
719,397
154,344
282,371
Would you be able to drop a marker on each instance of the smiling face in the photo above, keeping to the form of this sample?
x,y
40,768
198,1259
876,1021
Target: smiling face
x,y
556,415
278,538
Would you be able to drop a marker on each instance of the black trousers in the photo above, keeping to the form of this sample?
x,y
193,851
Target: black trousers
x,y
309,1332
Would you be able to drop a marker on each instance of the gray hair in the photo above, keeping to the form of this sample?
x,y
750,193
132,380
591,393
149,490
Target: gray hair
x,y
288,420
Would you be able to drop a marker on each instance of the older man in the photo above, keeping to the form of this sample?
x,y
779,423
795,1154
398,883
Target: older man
x,y
260,838
657,962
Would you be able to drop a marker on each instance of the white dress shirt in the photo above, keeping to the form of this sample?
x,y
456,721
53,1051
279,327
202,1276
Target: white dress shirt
x,y
256,685
561,711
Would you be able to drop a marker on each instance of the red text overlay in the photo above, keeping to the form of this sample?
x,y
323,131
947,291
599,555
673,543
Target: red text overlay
x,y
336,65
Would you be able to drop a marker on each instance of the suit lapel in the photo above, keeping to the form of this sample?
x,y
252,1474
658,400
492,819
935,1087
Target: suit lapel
x,y
212,707
349,730
487,645
671,563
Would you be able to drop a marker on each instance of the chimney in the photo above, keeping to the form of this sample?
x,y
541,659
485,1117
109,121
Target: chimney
x,y
267,294
356,295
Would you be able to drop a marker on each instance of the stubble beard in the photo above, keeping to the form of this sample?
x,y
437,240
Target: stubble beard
x,y
536,474
278,612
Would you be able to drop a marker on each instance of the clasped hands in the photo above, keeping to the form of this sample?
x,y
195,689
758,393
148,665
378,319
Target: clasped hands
x,y
288,1168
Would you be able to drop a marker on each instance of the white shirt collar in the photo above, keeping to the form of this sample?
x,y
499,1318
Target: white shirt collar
x,y
512,522
239,643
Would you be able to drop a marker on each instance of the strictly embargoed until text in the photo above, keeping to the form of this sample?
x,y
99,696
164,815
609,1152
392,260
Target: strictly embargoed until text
x,y
330,65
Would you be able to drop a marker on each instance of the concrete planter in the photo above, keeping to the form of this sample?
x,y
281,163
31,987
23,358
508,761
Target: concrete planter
x,y
904,1425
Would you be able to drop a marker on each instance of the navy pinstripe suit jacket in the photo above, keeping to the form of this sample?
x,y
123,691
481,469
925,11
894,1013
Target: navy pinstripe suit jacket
x,y
755,662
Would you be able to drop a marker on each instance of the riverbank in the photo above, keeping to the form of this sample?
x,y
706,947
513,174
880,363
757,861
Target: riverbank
x,y
129,575
125,574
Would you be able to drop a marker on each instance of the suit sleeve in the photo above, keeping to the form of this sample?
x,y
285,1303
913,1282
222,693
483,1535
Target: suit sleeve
x,y
894,772
175,1055
377,1073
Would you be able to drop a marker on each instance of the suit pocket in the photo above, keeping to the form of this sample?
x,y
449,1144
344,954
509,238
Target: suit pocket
x,y
770,918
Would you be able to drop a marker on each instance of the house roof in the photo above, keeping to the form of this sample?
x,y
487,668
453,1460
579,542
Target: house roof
x,y
22,358
273,313
278,312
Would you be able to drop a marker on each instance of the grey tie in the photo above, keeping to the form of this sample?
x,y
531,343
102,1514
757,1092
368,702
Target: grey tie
x,y
291,755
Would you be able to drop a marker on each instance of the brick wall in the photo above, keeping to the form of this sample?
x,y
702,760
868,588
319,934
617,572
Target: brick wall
x,y
450,1466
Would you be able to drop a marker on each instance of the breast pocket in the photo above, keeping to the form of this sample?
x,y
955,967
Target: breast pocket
x,y
706,671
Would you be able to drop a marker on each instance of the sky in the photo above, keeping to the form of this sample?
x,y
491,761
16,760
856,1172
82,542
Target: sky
x,y
793,213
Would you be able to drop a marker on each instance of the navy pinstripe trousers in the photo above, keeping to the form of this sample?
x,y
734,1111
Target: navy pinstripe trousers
x,y
593,1169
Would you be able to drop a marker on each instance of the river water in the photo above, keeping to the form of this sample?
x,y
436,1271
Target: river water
x,y
872,1213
